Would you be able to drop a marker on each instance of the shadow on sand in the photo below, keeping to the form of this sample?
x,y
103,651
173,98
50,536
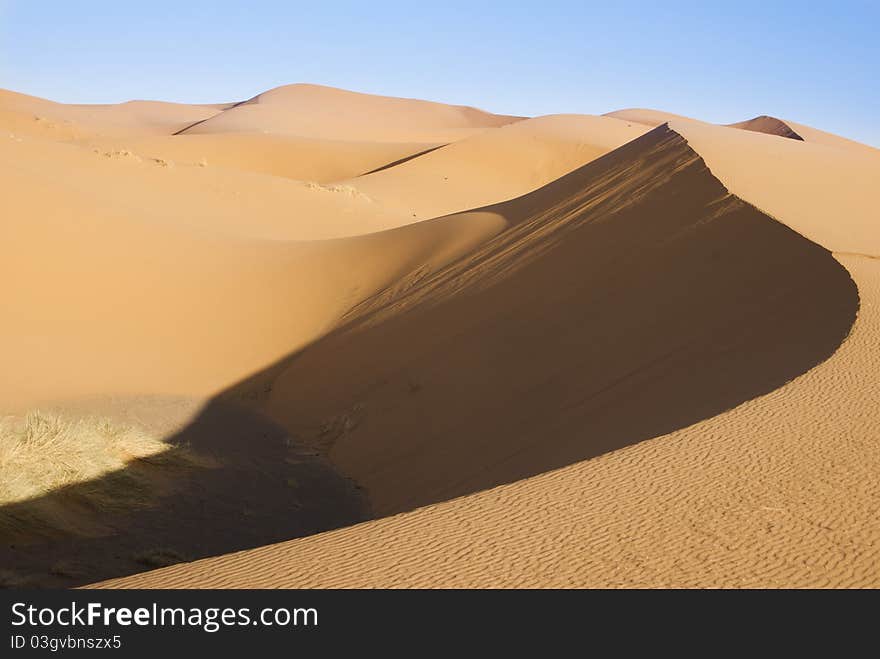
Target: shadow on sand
x,y
259,489
628,299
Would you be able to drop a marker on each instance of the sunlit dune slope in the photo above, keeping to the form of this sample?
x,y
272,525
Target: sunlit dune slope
x,y
301,158
761,124
635,349
206,285
329,113
634,300
817,136
131,118
821,191
644,272
495,165
790,129
645,116
780,492
18,124
179,195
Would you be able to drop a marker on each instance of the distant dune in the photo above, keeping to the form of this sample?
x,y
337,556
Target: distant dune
x,y
761,124
328,113
645,116
289,156
495,165
594,265
131,118
768,125
821,137
630,350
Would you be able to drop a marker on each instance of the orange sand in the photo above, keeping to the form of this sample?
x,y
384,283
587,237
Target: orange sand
x,y
629,350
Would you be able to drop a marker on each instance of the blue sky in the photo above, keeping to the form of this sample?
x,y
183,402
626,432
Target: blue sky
x,y
718,61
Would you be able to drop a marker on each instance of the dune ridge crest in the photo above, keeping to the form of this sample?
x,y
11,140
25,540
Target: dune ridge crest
x,y
316,111
768,125
672,206
636,349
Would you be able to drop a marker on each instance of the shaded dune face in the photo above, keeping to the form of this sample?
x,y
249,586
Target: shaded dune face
x,y
768,125
253,486
404,343
630,298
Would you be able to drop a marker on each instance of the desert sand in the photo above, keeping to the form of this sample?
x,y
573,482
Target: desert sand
x,y
448,348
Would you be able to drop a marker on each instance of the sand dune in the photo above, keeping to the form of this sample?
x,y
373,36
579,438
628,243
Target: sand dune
x,y
15,124
336,114
300,158
790,129
192,247
821,137
628,350
182,195
646,116
495,165
796,510
200,257
768,125
818,190
131,118
190,278
577,265
761,124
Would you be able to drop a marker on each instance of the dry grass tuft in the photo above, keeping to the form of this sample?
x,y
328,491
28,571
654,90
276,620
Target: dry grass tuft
x,y
12,579
52,468
161,557
65,569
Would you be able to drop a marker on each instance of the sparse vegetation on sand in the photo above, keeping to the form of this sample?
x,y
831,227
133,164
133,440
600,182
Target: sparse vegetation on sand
x,y
65,569
85,463
12,579
160,557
